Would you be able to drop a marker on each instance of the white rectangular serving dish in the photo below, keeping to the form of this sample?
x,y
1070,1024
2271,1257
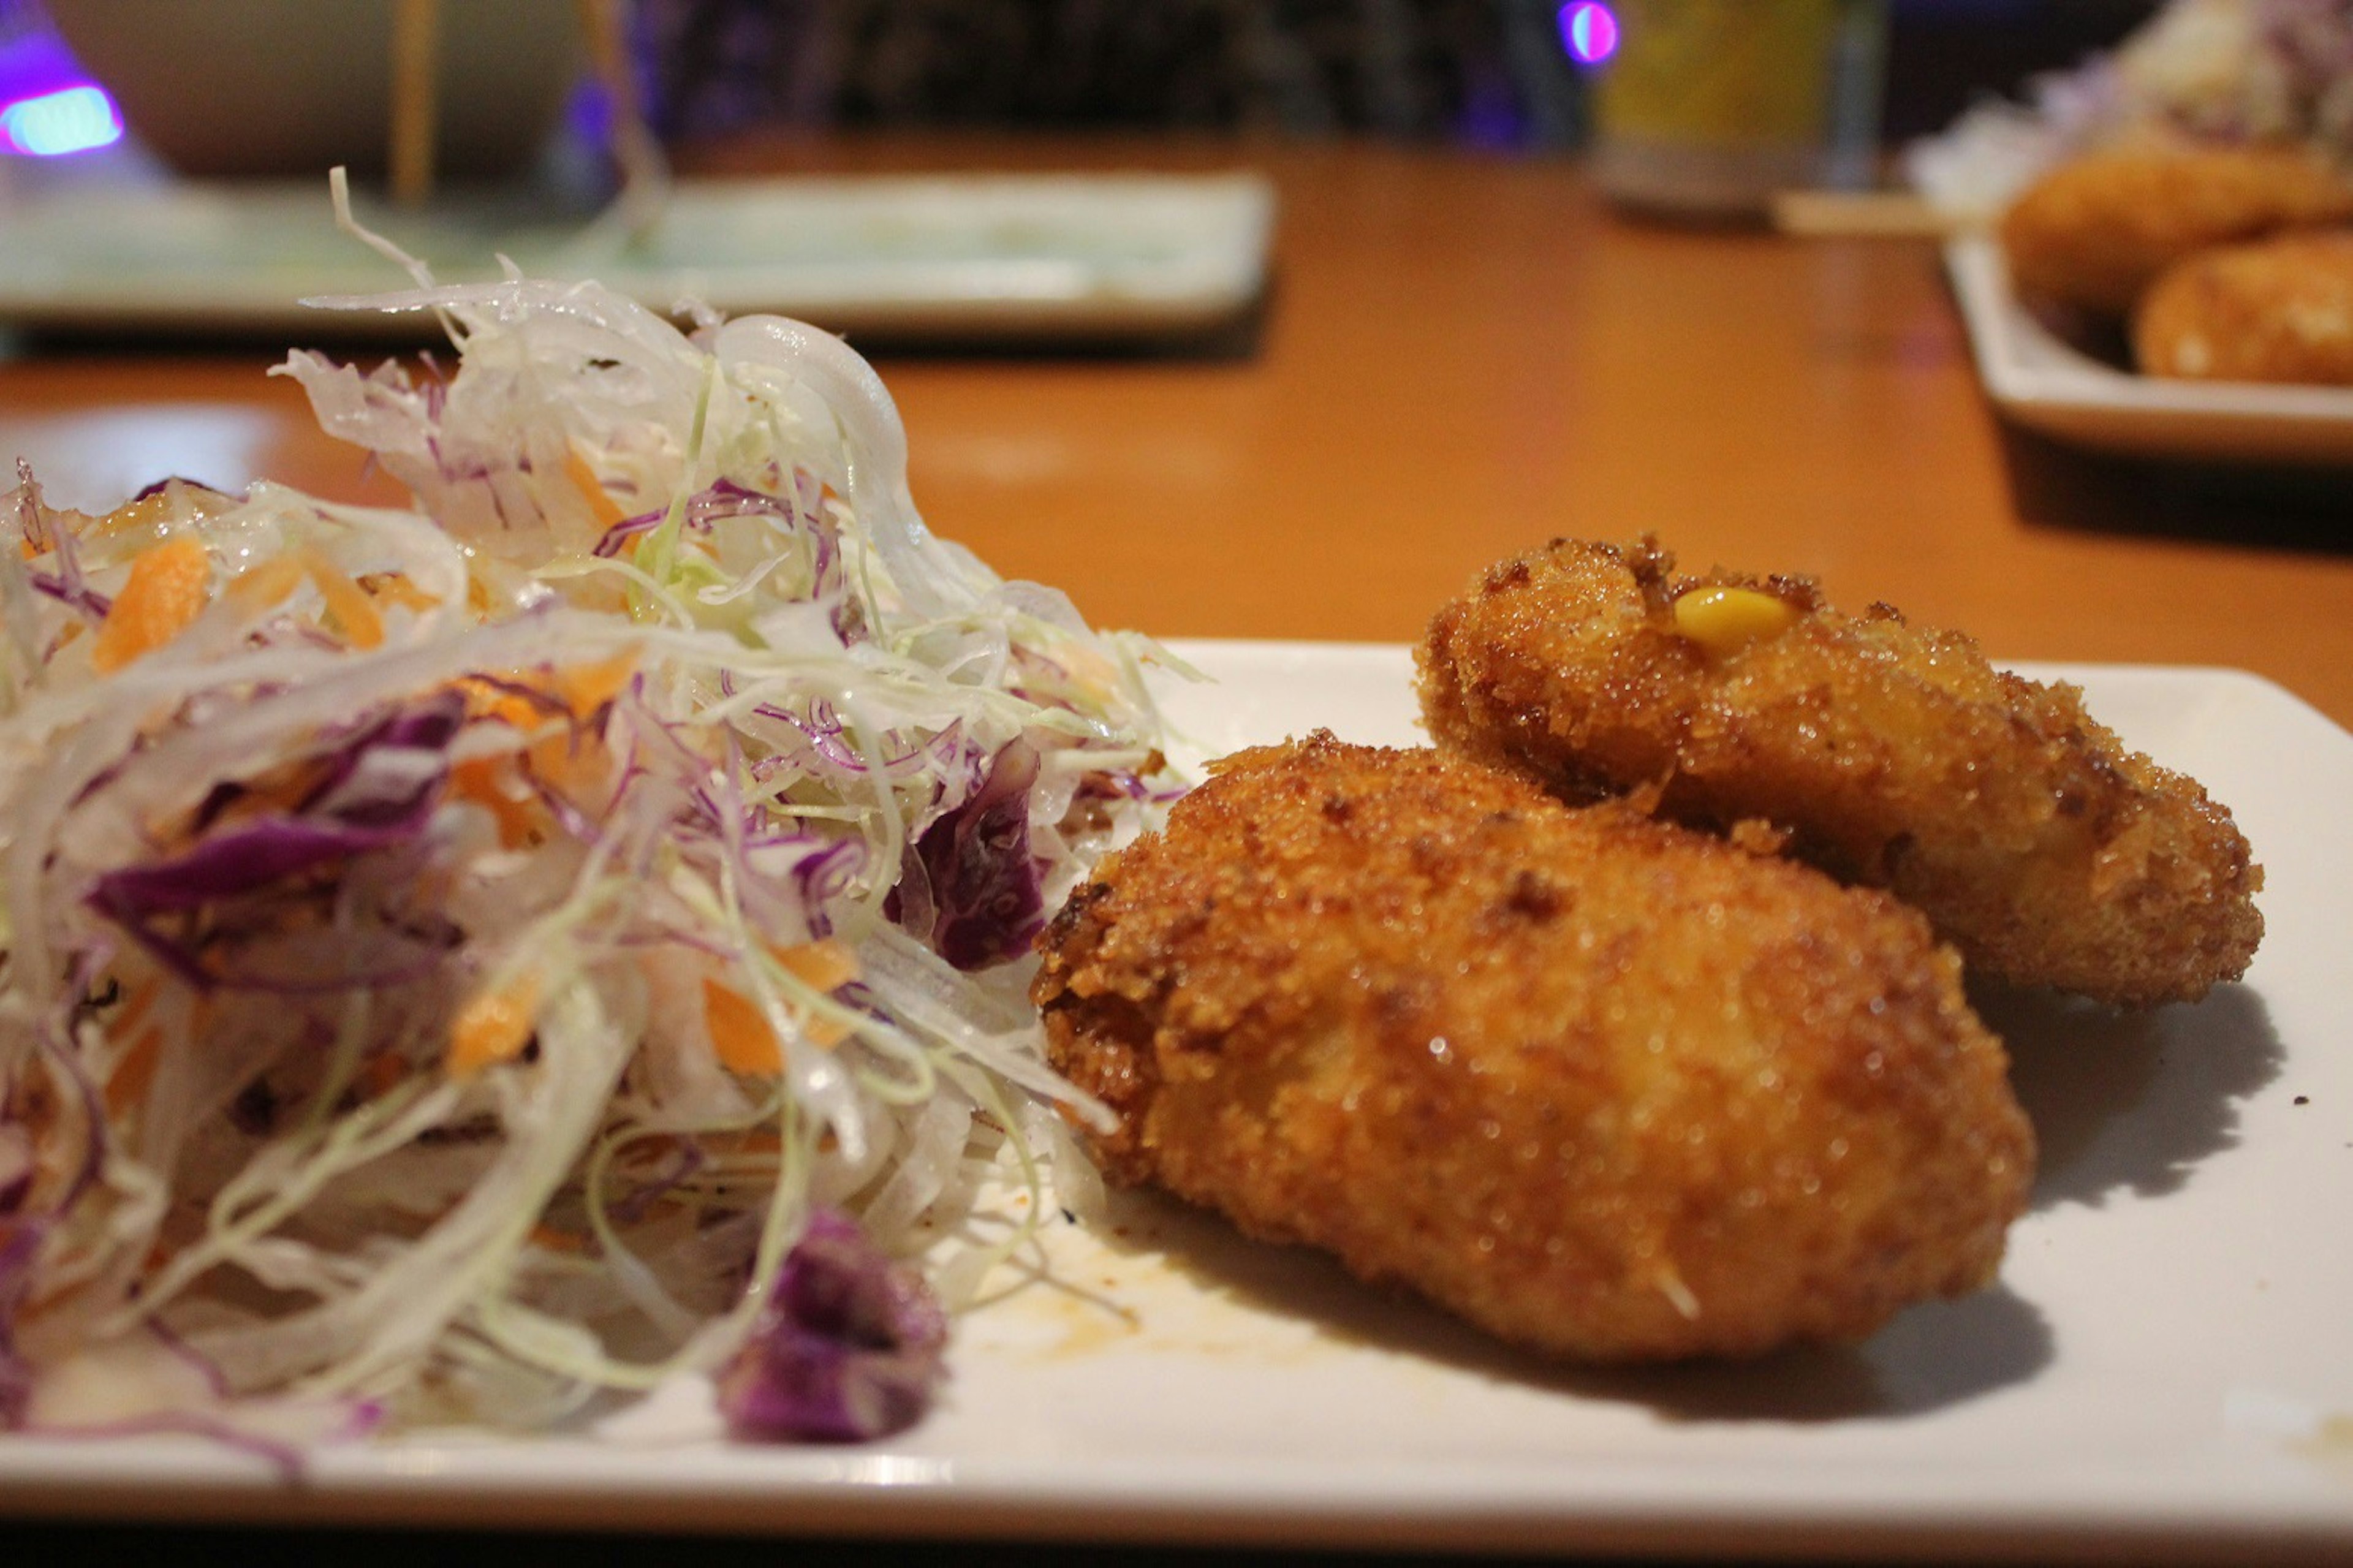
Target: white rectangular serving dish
x,y
2163,1372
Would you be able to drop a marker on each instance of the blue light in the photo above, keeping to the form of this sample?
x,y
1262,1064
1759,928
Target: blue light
x,y
1589,31
71,119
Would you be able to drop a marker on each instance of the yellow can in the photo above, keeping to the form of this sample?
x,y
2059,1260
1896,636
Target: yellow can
x,y
1710,106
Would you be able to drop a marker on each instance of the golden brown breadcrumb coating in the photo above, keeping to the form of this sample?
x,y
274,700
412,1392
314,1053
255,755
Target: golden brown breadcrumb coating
x,y
2278,310
1893,754
1605,1087
2096,230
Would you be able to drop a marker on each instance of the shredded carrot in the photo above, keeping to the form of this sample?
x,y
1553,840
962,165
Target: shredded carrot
x,y
493,1027
347,602
757,1144
34,1105
151,514
485,700
585,688
263,587
561,759
557,759
395,588
135,1068
133,1010
549,1238
489,782
582,689
281,789
168,587
601,505
383,1074
127,1085
822,965
739,1035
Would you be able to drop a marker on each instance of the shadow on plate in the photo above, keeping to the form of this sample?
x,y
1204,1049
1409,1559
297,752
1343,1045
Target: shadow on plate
x,y
1932,1356
2129,1102
2055,486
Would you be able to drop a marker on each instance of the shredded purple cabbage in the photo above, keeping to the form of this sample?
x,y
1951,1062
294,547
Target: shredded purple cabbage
x,y
725,499
848,1347
16,1172
250,856
971,887
92,605
160,486
20,1247
66,585
686,1161
621,532
378,790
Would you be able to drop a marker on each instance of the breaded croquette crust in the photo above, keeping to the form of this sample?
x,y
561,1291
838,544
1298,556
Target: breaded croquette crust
x,y
2096,230
2278,310
1895,756
1605,1087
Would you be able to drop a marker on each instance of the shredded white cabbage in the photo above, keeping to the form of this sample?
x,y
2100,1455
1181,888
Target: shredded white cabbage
x,y
450,952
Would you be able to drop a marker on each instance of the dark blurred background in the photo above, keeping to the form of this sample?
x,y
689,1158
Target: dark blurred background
x,y
1491,73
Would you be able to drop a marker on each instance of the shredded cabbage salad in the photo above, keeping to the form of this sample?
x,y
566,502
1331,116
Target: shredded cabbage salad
x,y
461,960
2228,71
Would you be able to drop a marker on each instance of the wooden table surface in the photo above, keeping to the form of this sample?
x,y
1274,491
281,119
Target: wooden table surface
x,y
1462,356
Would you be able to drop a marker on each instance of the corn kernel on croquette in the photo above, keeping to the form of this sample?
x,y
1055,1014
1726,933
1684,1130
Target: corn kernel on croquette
x,y
1604,1087
1894,755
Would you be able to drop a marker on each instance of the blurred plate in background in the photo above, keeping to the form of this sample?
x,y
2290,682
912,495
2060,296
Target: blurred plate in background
x,y
988,257
2040,381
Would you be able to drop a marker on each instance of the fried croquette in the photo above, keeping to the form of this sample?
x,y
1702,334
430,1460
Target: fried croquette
x,y
2095,231
1892,755
1605,1087
2278,310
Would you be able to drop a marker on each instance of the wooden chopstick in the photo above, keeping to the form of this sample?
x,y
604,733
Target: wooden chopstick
x,y
1851,214
415,55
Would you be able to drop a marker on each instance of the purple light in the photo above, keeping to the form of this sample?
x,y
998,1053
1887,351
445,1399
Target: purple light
x,y
71,119
1589,31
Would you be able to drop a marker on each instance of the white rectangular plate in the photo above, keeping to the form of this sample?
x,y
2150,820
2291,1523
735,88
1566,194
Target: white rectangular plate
x,y
2164,1371
989,256
2047,385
